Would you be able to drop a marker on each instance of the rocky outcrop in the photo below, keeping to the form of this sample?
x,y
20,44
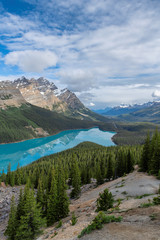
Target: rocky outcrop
x,y
71,99
43,93
10,96
40,93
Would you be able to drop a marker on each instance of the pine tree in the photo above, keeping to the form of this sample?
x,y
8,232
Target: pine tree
x,y
105,201
52,201
8,177
76,180
40,194
20,210
109,173
63,202
129,164
11,228
31,220
146,154
99,177
18,176
155,160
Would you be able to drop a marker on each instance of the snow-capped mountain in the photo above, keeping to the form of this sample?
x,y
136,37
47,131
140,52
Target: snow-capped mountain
x,y
45,94
126,108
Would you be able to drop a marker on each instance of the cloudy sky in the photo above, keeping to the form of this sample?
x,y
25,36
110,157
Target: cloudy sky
x,y
106,51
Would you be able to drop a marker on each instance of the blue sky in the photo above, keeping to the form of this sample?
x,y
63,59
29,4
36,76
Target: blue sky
x,y
106,51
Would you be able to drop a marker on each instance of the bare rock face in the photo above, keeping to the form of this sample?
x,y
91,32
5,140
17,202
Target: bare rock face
x,y
45,94
40,93
71,99
10,96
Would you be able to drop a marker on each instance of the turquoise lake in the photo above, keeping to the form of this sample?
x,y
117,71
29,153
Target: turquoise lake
x,y
30,150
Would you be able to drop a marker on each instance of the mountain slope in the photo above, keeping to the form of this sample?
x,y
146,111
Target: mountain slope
x,y
148,114
30,121
42,93
124,109
10,96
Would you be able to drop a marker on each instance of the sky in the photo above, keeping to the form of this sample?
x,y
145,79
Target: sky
x,y
106,51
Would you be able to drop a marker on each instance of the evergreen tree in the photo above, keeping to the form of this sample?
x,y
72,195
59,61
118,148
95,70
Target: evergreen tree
x,y
52,201
40,194
31,221
109,173
8,177
129,164
76,180
63,201
20,210
146,154
11,227
105,201
99,177
155,160
18,176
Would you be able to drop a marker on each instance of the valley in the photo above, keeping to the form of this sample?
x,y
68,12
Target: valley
x,y
69,181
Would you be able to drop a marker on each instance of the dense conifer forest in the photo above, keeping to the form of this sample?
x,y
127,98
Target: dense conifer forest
x,y
52,175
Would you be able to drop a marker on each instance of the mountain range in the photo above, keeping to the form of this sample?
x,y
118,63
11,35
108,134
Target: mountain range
x,y
126,109
43,93
32,108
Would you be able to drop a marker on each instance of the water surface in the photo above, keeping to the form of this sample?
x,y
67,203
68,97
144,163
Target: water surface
x,y
28,151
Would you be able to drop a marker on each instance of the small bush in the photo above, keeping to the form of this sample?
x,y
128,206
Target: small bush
x,y
74,219
105,201
98,222
145,205
59,224
156,200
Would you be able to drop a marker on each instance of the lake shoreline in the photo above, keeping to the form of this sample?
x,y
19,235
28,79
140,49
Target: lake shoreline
x,y
61,132
28,151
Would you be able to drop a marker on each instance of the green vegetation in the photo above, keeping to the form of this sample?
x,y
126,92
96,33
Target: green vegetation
x,y
156,201
142,196
150,159
74,219
25,220
59,224
98,222
85,158
19,123
105,201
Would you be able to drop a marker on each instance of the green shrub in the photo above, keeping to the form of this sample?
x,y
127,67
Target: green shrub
x,y
98,222
105,201
59,224
156,200
74,219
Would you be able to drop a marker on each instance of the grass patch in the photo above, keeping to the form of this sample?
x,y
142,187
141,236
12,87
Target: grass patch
x,y
122,185
153,217
98,222
125,193
144,195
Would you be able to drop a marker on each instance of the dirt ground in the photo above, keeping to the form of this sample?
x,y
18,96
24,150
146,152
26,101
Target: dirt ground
x,y
137,224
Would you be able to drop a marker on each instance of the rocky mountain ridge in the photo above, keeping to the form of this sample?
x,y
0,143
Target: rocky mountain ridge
x,y
126,108
42,93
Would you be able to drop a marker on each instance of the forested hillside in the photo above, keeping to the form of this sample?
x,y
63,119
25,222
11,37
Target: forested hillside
x,y
52,175
17,124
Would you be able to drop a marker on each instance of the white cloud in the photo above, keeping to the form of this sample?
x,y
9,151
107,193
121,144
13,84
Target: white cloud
x,y
31,60
108,48
156,93
91,104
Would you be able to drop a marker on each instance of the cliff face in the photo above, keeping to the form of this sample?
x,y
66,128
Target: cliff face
x,y
10,96
40,93
71,99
